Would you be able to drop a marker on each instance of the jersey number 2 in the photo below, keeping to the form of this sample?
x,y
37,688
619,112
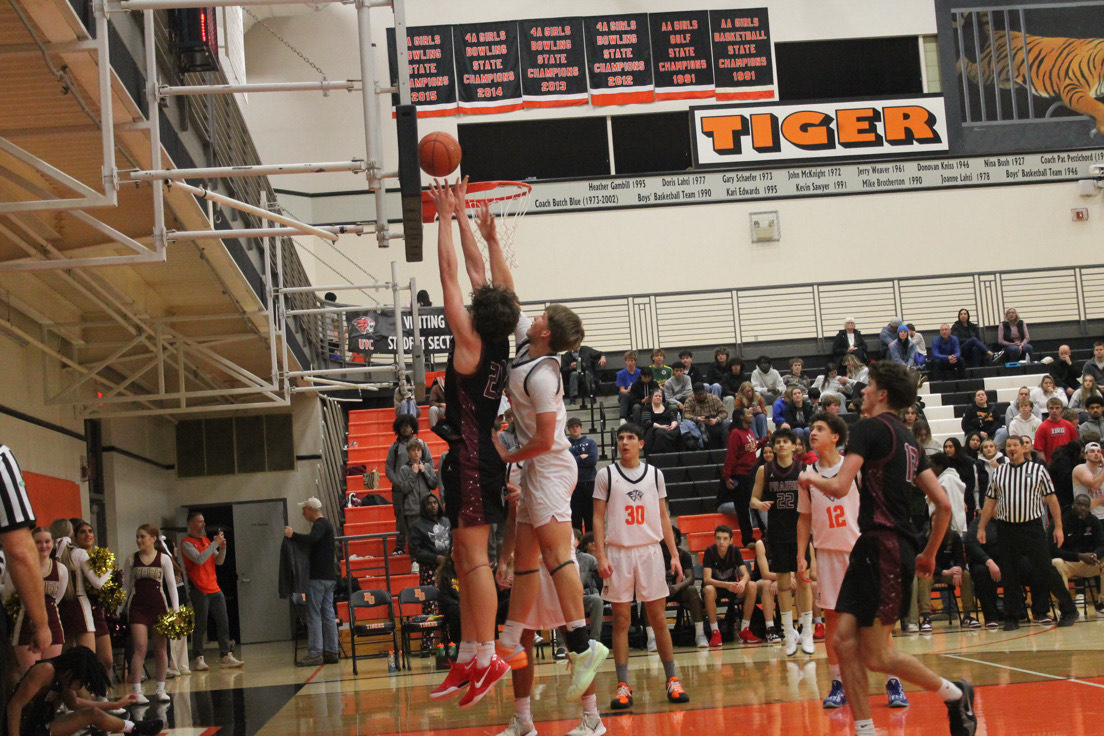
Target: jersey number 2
x,y
496,376
634,515
836,517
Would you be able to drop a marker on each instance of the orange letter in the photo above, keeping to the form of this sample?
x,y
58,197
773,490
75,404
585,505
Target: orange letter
x,y
809,129
725,132
764,133
909,124
857,127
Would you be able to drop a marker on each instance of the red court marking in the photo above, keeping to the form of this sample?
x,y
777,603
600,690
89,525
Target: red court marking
x,y
314,674
1024,709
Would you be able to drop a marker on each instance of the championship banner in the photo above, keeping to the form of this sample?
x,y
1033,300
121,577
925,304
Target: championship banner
x,y
488,70
373,331
553,62
619,64
756,134
432,80
743,57
681,53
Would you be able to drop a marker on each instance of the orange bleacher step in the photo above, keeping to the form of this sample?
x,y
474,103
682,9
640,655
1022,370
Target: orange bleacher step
x,y
368,514
374,566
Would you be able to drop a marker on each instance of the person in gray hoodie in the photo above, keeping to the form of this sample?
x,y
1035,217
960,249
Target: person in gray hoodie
x,y
416,480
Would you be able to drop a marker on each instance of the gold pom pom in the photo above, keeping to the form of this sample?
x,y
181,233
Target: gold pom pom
x,y
12,606
176,624
111,595
101,560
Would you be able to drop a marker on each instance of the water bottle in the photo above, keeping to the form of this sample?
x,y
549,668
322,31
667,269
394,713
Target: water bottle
x,y
391,667
414,567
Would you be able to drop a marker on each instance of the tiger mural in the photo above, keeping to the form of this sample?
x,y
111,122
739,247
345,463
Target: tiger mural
x,y
1069,69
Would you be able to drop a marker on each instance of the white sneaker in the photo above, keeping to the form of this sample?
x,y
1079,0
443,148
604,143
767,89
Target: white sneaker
x,y
519,727
807,644
584,667
170,673
702,642
162,697
912,629
791,642
652,644
230,661
588,726
185,671
141,699
200,665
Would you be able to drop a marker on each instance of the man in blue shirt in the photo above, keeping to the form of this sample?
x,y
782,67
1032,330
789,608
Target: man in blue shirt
x,y
946,356
625,379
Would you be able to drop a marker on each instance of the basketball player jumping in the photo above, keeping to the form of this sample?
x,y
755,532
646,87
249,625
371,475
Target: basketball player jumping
x,y
473,474
878,582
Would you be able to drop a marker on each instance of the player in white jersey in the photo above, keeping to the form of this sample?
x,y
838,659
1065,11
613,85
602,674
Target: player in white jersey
x,y
630,522
548,478
835,528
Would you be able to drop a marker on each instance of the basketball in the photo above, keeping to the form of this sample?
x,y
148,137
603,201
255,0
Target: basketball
x,y
439,154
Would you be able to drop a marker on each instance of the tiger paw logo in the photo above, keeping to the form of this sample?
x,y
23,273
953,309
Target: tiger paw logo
x,y
636,494
365,324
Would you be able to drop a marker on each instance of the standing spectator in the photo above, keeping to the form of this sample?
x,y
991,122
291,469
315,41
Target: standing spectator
x,y
796,377
686,357
585,452
660,372
739,472
201,556
1044,392
147,575
707,411
1095,423
1094,366
417,480
849,341
640,395
321,619
981,417
1088,478
1013,337
1054,431
946,355
903,350
626,377
1019,494
889,332
1067,377
405,428
766,380
436,400
716,371
974,350
1083,548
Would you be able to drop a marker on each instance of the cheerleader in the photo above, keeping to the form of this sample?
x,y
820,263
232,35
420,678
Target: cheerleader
x,y
148,574
81,614
55,582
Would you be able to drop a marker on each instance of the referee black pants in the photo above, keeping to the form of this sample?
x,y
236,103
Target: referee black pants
x,y
1028,539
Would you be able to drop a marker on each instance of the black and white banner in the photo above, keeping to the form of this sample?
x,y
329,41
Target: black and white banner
x,y
488,69
373,331
553,62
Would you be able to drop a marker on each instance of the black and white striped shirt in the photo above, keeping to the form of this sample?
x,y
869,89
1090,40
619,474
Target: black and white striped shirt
x,y
15,507
1019,491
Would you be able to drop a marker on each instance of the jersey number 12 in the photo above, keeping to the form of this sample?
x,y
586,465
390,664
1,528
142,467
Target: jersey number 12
x,y
836,517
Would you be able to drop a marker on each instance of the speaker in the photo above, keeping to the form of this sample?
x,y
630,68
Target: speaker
x,y
410,180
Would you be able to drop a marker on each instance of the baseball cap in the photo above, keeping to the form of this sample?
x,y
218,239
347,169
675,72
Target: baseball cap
x,y
311,502
1092,446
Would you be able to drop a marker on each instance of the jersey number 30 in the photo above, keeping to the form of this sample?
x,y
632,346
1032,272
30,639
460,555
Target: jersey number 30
x,y
836,517
634,515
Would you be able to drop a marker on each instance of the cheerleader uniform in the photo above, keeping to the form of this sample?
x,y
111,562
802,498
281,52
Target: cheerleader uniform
x,y
79,614
145,589
55,583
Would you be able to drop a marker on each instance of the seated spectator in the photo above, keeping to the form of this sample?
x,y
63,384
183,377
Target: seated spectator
x,y
803,453
1088,478
767,584
661,425
945,356
855,380
766,380
1054,431
1065,374
1095,423
849,341
678,387
1094,366
986,574
947,472
686,357
707,411
796,377
404,400
829,382
889,333
592,582
1044,392
910,415
640,395
739,471
430,540
580,370
950,569
830,403
1012,412
448,597
585,452
903,350
1029,452
716,372
922,432
747,398
797,413
920,343
1013,338
1024,423
1083,546
726,578
626,377
989,458
974,350
814,398
733,379
980,417
660,372
1088,389
1061,466
684,593
436,400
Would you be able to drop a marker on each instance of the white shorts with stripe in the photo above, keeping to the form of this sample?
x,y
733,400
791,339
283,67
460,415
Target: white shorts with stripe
x,y
635,569
546,486
831,567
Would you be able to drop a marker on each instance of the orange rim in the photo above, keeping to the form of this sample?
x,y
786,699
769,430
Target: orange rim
x,y
487,195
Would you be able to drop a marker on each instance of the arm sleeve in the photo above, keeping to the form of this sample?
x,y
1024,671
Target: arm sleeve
x,y
190,551
63,581
85,564
661,485
591,461
974,551
523,325
430,476
601,486
128,576
170,581
1002,339
390,465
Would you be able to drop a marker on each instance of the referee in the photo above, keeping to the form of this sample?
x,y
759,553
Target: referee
x,y
1017,492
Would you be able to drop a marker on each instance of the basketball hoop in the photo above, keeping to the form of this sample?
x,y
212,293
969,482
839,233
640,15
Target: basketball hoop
x,y
506,200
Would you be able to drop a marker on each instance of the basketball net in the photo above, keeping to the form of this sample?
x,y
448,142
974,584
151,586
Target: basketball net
x,y
506,200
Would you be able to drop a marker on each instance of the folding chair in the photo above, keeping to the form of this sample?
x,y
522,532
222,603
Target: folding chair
x,y
408,626
379,626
